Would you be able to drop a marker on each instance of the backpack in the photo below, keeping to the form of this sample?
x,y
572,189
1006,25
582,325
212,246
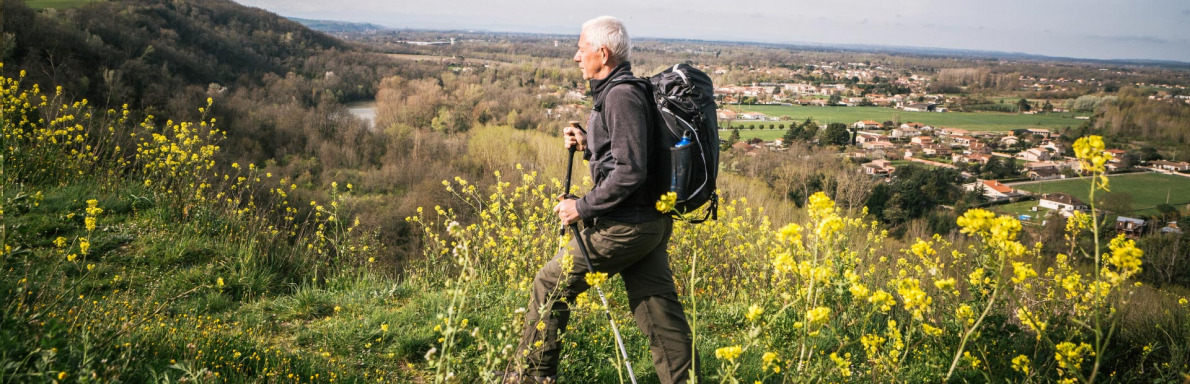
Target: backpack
x,y
684,102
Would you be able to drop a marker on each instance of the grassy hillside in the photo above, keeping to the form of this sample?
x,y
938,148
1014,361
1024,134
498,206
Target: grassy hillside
x,y
132,254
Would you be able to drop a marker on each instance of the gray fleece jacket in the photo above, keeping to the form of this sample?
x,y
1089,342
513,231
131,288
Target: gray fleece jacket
x,y
621,149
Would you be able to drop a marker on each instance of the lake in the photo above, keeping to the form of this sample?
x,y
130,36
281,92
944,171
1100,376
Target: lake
x,y
365,110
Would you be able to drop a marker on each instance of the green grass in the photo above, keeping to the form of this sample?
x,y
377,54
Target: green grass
x,y
974,121
58,4
1147,189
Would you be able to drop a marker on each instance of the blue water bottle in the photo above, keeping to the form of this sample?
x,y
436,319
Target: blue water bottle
x,y
679,156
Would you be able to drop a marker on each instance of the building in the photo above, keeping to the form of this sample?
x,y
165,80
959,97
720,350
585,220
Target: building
x,y
1008,141
904,133
1063,203
922,140
953,132
866,124
993,190
1034,154
920,107
935,150
878,167
1176,166
1130,227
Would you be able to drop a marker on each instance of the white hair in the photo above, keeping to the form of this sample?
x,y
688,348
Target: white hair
x,y
609,32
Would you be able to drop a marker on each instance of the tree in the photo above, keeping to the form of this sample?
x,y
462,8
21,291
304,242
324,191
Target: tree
x,y
1023,105
834,100
1116,202
835,134
731,140
794,133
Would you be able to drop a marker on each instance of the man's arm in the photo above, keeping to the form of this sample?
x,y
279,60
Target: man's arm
x,y
626,115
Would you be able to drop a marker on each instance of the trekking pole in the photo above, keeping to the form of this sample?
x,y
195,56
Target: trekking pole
x,y
582,247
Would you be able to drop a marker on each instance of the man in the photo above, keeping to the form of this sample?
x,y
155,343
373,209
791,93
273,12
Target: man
x,y
624,232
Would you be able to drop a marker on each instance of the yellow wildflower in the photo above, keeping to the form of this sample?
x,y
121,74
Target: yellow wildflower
x,y
667,202
818,316
791,233
1021,364
729,353
754,312
595,279
882,299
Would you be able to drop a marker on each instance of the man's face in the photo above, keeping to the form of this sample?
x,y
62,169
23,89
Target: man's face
x,y
591,60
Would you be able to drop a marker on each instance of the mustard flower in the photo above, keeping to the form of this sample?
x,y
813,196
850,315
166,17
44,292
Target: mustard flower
x,y
754,312
883,300
821,206
595,279
1022,271
667,202
843,364
818,316
729,353
791,233
1021,364
1070,356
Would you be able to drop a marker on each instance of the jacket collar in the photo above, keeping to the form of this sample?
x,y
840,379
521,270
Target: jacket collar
x,y
599,86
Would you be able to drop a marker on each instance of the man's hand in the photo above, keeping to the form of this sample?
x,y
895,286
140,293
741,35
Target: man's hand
x,y
567,210
573,137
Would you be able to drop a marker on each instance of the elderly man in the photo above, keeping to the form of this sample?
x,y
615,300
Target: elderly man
x,y
624,232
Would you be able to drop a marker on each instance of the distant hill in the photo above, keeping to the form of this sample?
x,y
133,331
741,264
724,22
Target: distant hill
x,y
146,52
338,26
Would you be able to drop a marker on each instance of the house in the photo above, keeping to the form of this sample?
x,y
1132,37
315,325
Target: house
x,y
992,189
1008,141
922,140
752,116
980,147
870,145
1038,131
1044,174
878,167
1171,227
917,126
962,141
868,137
1034,154
936,150
904,133
920,107
1117,155
953,132
1063,203
726,114
1176,166
1130,227
982,159
866,124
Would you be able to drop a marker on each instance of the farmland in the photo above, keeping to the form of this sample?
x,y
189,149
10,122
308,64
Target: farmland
x,y
1147,189
974,121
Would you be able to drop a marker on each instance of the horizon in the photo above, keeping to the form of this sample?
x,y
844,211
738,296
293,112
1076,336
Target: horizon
x,y
1150,30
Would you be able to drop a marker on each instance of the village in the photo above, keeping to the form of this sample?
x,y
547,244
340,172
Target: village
x,y
1032,155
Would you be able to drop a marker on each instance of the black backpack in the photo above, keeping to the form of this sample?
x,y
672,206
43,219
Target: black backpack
x,y
685,104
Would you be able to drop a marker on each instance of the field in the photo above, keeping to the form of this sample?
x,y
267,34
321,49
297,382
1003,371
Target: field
x,y
974,121
1147,189
59,4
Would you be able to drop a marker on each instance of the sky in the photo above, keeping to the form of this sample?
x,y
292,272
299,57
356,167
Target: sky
x,y
1095,29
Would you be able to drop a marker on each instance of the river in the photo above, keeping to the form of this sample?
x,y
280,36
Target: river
x,y
365,110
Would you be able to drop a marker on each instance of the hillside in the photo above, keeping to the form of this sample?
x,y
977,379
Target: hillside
x,y
171,46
